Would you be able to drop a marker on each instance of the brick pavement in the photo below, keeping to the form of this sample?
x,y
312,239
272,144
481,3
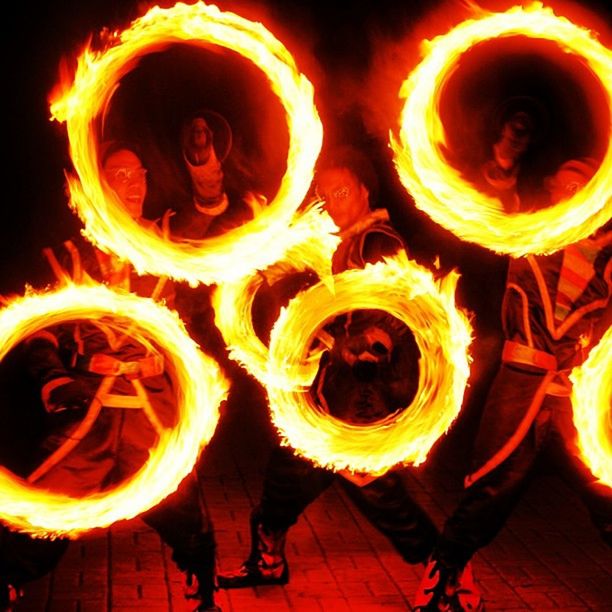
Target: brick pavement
x,y
549,556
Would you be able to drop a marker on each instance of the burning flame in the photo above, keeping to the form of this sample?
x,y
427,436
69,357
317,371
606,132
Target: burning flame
x,y
441,192
238,252
198,382
592,405
442,332
233,301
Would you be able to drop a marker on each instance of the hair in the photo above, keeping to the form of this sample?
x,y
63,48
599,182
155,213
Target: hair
x,y
110,147
353,160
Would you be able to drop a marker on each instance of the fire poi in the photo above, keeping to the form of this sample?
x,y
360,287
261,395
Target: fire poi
x,y
200,387
442,332
440,191
80,102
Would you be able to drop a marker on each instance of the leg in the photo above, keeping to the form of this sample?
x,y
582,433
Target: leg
x,y
386,503
183,524
291,483
24,558
596,496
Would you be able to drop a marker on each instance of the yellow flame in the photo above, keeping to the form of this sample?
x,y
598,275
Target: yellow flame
x,y
239,251
443,334
592,406
233,301
440,190
198,382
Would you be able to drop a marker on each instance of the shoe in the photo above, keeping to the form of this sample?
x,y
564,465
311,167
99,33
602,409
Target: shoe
x,y
463,594
260,574
430,593
445,589
266,564
8,596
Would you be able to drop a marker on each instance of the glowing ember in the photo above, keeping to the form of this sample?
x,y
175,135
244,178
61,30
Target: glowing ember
x,y
233,301
592,405
200,388
441,192
238,252
442,332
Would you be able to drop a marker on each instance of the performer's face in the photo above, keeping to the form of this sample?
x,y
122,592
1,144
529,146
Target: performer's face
x,y
127,177
346,198
565,184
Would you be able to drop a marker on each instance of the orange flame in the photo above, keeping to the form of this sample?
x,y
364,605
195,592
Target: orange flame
x,y
233,301
592,405
238,252
200,388
441,192
442,332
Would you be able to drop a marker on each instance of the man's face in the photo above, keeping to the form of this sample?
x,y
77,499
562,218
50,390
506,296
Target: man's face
x,y
564,184
127,178
346,198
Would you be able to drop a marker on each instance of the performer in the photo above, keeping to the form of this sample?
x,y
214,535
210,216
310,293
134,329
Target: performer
x,y
555,309
368,356
206,141
89,361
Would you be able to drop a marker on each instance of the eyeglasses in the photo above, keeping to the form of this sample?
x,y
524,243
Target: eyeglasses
x,y
125,175
341,193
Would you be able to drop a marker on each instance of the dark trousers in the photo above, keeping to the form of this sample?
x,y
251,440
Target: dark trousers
x,y
180,520
291,483
487,504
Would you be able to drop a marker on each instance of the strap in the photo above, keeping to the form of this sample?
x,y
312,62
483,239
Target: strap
x,y
515,352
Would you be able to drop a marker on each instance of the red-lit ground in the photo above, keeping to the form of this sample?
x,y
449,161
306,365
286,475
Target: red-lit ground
x,y
549,557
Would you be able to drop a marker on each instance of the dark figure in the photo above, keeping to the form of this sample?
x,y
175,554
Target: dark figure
x,y
368,352
555,309
206,141
83,364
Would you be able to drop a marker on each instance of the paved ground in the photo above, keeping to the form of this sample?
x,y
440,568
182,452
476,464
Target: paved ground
x,y
549,557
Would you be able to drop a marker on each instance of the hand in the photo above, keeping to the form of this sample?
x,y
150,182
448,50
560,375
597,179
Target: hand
x,y
198,142
60,395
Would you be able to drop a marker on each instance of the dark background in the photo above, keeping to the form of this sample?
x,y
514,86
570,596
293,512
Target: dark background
x,y
355,52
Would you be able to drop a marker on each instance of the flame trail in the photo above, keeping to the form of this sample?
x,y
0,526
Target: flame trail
x,y
442,332
212,260
198,382
441,192
592,405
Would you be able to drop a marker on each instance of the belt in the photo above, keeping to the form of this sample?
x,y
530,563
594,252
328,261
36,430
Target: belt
x,y
105,365
515,352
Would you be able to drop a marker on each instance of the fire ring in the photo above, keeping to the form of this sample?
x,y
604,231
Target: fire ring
x,y
233,302
215,259
202,388
591,397
442,333
443,194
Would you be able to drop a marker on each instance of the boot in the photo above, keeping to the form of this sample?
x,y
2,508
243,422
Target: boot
x,y
8,596
445,589
200,584
266,564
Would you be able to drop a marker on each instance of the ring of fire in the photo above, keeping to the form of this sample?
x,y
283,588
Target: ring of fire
x,y
200,388
79,103
442,193
442,332
591,403
233,302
